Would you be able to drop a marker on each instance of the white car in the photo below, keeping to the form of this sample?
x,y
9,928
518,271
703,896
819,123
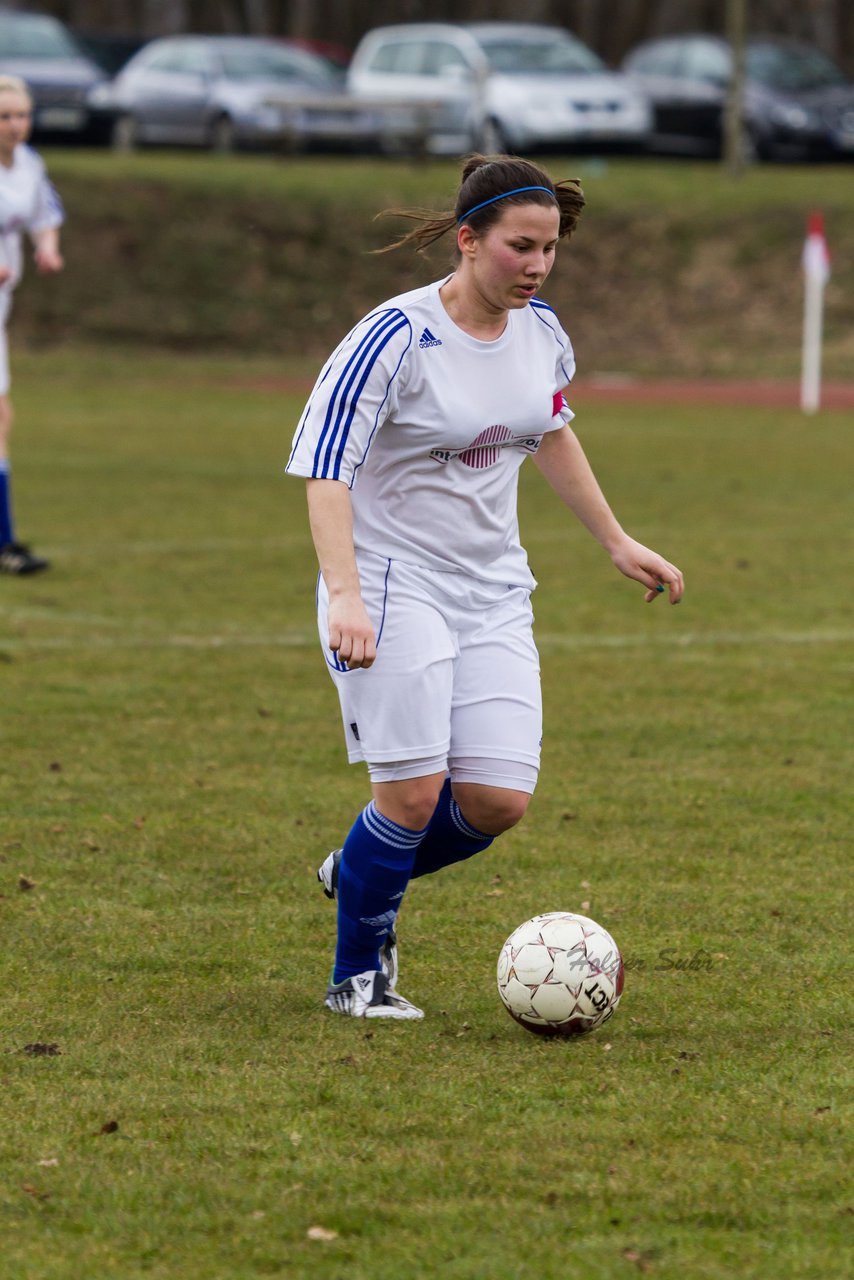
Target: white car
x,y
500,86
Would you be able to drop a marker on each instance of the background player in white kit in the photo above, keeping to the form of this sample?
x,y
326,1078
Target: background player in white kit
x,y
28,203
411,443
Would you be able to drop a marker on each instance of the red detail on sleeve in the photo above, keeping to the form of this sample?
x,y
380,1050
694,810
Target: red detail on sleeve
x,y
557,403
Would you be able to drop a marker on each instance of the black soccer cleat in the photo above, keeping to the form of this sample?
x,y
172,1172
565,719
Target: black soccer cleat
x,y
17,559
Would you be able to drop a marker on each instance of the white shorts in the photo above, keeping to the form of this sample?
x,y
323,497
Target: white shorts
x,y
5,307
457,673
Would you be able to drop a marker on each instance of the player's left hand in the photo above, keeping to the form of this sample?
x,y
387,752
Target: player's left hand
x,y
48,261
637,561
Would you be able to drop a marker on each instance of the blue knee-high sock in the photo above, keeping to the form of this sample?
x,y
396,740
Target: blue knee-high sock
x,y
449,837
6,524
376,863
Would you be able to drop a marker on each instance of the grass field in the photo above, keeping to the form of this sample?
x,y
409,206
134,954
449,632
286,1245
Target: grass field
x,y
172,774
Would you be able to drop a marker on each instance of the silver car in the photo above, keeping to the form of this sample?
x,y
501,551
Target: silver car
x,y
501,86
226,92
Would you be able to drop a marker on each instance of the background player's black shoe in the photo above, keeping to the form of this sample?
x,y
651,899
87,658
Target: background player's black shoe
x,y
16,558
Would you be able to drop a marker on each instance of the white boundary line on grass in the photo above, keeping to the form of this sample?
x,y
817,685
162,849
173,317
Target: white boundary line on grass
x,y
545,641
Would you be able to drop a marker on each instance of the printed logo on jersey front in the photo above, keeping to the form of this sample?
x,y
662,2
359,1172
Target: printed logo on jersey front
x,y
485,449
429,339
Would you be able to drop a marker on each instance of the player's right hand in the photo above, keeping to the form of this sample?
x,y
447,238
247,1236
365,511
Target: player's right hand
x,y
351,633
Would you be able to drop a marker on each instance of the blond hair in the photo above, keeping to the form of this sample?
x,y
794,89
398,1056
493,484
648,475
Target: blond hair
x,y
14,84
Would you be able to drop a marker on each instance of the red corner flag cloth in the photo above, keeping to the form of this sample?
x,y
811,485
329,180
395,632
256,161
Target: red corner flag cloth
x,y
816,258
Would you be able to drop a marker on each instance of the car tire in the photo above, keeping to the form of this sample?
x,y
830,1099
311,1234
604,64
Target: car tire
x,y
492,140
223,135
752,149
124,134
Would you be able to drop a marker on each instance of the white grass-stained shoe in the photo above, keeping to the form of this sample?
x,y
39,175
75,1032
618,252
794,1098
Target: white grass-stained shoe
x,y
327,874
369,995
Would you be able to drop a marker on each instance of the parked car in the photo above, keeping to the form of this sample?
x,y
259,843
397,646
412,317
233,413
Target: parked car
x,y
226,92
797,102
500,86
60,76
110,50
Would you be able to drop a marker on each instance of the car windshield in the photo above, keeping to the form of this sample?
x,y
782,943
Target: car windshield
x,y
792,69
31,36
540,57
260,63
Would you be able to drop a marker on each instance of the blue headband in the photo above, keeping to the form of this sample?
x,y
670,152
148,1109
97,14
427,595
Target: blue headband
x,y
515,192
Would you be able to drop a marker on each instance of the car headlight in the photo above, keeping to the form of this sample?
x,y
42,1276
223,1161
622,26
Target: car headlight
x,y
795,117
100,95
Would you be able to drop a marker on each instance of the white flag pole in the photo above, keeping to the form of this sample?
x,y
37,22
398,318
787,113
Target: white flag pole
x,y
816,266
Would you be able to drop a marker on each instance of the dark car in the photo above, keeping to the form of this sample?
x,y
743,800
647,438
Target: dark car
x,y
110,50
797,103
60,76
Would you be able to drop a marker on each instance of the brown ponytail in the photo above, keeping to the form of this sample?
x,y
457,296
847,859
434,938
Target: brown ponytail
x,y
488,179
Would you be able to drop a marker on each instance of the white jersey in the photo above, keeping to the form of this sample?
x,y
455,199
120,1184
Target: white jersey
x,y
429,427
28,202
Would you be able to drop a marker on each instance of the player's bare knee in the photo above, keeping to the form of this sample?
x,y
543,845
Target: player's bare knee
x,y
491,810
5,422
410,802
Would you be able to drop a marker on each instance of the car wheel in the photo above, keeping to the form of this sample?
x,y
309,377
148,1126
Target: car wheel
x,y
124,135
493,140
223,135
751,149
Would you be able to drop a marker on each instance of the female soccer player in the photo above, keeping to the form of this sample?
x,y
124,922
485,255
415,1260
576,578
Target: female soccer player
x,y
411,443
29,203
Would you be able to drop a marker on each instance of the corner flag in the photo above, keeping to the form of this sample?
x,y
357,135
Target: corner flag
x,y
815,261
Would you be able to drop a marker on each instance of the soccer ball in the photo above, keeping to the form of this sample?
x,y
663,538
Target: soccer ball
x,y
560,974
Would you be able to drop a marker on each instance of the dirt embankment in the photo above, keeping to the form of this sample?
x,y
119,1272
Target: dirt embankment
x,y
657,293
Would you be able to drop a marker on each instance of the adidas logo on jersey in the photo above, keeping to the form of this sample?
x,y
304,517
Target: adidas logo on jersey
x,y
428,339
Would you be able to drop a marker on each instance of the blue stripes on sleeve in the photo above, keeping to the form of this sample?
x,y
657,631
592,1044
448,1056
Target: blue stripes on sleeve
x,y
343,401
538,309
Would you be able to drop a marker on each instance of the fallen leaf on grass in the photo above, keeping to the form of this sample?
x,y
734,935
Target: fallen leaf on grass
x,y
585,906
321,1233
632,1255
111,1126
89,843
494,893
139,823
30,1190
295,1139
55,766
25,883
819,1111
38,1050
50,1163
